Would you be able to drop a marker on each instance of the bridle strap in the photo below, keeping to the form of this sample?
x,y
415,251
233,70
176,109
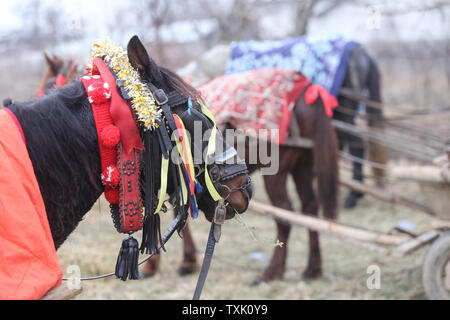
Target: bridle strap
x,y
211,149
231,171
175,99
166,102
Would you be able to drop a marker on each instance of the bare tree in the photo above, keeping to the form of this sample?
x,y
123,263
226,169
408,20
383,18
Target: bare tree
x,y
235,23
304,12
46,25
157,11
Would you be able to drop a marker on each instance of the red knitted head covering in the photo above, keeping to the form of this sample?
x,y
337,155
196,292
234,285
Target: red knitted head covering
x,y
119,144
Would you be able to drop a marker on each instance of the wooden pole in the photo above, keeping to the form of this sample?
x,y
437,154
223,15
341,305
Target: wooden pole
x,y
414,244
327,226
432,174
62,292
418,150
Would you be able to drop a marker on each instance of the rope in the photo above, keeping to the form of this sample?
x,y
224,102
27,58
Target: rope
x,y
106,275
376,165
420,152
389,122
380,106
165,238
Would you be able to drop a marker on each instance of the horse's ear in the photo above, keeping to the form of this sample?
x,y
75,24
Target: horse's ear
x,y
140,60
51,64
137,54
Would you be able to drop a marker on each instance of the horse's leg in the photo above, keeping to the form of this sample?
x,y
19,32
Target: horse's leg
x,y
303,175
189,263
355,147
151,266
276,187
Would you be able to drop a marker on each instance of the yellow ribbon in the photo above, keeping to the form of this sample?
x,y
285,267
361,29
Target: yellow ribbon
x,y
211,149
163,189
188,158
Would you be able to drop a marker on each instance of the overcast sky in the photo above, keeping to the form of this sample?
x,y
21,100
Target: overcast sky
x,y
360,23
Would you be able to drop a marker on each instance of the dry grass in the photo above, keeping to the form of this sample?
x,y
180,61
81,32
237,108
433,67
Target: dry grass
x,y
94,247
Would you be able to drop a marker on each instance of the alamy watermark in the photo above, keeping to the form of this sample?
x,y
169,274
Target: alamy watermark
x,y
373,281
74,280
253,146
374,17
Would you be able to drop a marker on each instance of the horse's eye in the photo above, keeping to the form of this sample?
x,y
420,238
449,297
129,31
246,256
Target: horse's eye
x,y
215,172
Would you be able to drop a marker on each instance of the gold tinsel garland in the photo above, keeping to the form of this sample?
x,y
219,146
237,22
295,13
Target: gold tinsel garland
x,y
141,99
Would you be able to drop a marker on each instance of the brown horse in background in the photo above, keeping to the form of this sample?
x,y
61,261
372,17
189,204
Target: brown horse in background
x,y
302,164
59,72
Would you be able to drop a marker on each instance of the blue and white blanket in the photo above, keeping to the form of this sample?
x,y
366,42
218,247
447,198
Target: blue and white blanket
x,y
323,60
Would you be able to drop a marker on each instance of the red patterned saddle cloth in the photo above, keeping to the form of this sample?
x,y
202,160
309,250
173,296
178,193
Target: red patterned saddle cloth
x,y
255,100
29,265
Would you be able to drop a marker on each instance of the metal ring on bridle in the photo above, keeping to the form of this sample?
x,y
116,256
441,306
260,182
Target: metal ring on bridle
x,y
230,191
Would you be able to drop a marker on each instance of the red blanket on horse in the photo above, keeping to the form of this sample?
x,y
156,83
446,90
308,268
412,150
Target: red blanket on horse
x,y
254,100
29,266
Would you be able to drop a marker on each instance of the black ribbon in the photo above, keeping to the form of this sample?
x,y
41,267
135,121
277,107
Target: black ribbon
x,y
127,261
151,232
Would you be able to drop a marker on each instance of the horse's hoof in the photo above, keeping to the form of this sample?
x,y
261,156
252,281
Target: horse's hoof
x,y
311,274
145,275
184,271
352,199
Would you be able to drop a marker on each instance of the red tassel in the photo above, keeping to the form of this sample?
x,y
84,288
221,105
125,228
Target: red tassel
x,y
110,136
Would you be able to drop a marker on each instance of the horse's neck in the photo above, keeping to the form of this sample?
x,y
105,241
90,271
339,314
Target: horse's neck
x,y
62,144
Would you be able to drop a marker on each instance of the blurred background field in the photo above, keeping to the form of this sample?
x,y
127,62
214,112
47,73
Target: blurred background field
x,y
409,39
244,250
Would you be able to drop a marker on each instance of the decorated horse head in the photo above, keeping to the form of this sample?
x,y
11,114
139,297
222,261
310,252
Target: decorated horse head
x,y
58,73
227,180
123,129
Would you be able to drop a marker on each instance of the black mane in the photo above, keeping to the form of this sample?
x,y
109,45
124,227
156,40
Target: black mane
x,y
62,144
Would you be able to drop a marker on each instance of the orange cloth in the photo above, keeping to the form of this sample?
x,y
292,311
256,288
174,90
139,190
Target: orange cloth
x,y
29,266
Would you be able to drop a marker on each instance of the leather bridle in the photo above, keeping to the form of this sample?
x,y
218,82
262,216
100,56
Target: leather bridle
x,y
219,172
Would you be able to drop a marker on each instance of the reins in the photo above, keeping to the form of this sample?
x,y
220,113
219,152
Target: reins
x,y
212,181
174,226
213,238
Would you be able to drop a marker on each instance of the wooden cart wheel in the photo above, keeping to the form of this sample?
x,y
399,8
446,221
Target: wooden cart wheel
x,y
436,269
